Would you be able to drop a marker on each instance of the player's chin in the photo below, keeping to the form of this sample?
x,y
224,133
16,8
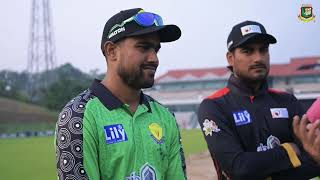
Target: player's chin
x,y
147,80
149,73
147,84
259,72
148,76
259,76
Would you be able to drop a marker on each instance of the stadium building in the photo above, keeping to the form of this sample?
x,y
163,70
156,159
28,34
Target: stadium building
x,y
183,90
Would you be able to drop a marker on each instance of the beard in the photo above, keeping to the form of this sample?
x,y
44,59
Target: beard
x,y
136,78
254,80
256,73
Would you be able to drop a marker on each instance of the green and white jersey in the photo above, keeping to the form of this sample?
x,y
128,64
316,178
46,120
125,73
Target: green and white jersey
x,y
98,138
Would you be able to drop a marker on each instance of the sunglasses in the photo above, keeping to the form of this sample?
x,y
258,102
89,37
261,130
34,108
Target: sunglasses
x,y
145,19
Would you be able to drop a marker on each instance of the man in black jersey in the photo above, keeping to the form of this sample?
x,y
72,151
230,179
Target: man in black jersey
x,y
247,126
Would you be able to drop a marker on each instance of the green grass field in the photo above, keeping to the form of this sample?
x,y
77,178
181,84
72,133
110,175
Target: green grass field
x,y
193,141
34,158
27,158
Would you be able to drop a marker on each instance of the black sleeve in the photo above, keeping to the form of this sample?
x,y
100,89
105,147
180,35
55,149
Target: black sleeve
x,y
225,147
297,107
308,168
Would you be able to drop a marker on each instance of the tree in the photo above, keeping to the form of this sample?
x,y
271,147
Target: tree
x,y
60,92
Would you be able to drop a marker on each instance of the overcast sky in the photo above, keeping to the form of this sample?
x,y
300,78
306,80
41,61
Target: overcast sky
x,y
205,25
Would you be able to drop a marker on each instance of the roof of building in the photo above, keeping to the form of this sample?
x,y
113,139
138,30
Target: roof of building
x,y
296,67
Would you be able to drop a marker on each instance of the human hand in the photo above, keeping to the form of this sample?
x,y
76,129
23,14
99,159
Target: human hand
x,y
309,135
310,125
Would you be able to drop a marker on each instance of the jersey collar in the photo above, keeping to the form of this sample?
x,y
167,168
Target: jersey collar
x,y
109,100
240,87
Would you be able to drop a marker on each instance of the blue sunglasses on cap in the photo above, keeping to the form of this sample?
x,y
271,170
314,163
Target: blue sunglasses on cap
x,y
145,19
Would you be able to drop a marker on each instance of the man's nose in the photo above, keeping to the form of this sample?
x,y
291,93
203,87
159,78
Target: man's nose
x,y
153,57
258,56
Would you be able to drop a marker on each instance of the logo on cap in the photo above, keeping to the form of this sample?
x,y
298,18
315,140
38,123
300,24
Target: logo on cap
x,y
248,29
117,31
229,44
306,13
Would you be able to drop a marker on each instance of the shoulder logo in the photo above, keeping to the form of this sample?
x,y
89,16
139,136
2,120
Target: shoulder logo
x,y
115,133
279,113
209,126
242,117
156,132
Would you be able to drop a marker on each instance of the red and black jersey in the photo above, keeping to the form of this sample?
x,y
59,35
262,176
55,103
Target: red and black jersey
x,y
248,133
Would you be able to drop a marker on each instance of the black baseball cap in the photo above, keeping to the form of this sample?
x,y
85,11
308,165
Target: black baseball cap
x,y
167,33
245,31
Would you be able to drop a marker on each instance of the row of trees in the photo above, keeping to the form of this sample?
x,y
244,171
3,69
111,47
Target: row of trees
x,y
60,92
53,93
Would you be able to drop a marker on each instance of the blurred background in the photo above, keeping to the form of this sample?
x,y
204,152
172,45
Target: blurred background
x,y
50,52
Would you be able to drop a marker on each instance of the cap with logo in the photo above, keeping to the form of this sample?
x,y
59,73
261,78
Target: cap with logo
x,y
245,31
135,22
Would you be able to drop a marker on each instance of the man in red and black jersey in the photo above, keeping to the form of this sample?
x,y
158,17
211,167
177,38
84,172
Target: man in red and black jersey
x,y
247,126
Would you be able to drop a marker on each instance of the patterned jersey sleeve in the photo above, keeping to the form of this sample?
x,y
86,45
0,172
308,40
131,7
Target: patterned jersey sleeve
x,y
69,139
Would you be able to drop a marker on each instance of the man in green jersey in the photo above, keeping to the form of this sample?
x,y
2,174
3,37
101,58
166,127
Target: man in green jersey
x,y
113,130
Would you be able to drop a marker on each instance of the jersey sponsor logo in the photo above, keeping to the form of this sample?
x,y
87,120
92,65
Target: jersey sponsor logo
x,y
209,126
156,132
115,133
147,172
272,142
242,117
279,113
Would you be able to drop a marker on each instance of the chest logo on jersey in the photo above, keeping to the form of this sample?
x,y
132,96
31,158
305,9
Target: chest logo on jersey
x,y
279,113
115,133
242,117
147,172
156,132
272,142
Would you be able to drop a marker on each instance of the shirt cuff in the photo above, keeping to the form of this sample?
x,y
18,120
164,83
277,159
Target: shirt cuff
x,y
295,161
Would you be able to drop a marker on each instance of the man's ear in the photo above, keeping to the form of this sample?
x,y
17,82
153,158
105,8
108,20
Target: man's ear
x,y
230,58
110,49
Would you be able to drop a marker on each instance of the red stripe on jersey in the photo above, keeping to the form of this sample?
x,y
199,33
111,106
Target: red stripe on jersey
x,y
277,91
252,98
219,93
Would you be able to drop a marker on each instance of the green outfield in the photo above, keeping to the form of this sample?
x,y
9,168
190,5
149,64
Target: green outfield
x,y
193,141
34,158
27,158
